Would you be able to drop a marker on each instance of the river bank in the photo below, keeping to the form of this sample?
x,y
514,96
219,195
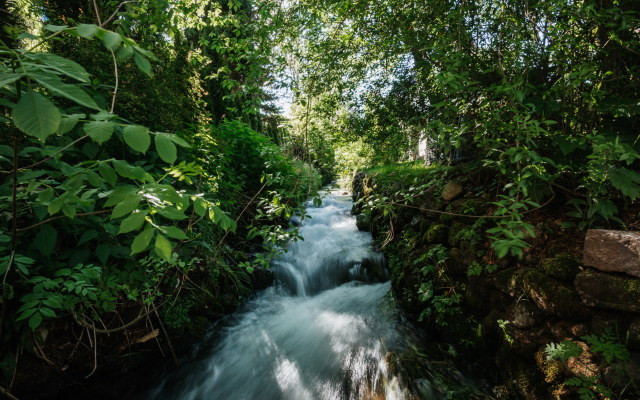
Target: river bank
x,y
511,315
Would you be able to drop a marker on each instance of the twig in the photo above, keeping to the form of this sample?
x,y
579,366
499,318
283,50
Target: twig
x,y
83,324
48,158
95,5
62,216
166,335
115,12
115,73
6,393
95,348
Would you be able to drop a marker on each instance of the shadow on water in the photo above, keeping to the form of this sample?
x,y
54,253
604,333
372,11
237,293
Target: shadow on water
x,y
328,329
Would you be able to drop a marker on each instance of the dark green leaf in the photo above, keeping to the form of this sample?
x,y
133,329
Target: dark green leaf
x,y
35,321
142,63
45,195
137,137
87,31
71,92
133,222
200,206
7,79
93,178
119,194
163,247
36,116
67,67
45,240
102,252
112,41
123,169
47,312
99,131
87,236
171,213
166,149
173,232
127,205
107,173
68,122
142,241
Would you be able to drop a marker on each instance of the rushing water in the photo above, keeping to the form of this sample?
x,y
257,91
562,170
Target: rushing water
x,y
323,331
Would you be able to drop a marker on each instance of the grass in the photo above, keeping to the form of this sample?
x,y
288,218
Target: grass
x,y
409,171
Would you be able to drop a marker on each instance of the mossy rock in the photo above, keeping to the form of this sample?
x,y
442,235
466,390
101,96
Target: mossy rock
x,y
425,225
563,266
616,292
522,380
553,296
510,281
437,234
362,222
551,369
453,232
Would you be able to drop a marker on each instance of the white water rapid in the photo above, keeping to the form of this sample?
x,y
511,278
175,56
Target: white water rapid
x,y
321,332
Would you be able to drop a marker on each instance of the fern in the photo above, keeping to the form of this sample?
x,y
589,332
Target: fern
x,y
562,351
626,181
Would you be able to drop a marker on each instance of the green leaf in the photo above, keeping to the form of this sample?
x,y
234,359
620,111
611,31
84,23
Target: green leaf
x,y
200,206
173,232
45,195
35,115
142,241
107,173
68,210
53,303
93,178
163,247
87,31
215,214
112,41
142,63
103,115
35,321
139,173
137,137
60,64
171,213
166,149
119,194
99,131
55,28
26,314
125,52
127,205
27,35
102,252
133,222
47,312
68,122
7,79
45,240
87,236
55,206
71,92
626,181
179,141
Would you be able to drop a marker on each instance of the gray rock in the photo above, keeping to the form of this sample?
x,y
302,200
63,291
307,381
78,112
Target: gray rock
x,y
452,190
612,251
609,291
522,314
416,221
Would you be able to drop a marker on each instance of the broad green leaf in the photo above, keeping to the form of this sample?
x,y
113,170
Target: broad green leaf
x,y
163,247
27,35
45,240
142,63
71,92
171,213
173,232
103,115
107,173
112,41
26,314
137,137
35,321
35,115
123,169
200,206
626,181
87,236
139,173
142,241
127,205
93,178
164,192
45,195
179,141
119,194
125,52
102,252
99,131
68,122
60,64
55,206
133,222
53,303
47,312
68,210
7,79
215,214
55,28
166,149
87,31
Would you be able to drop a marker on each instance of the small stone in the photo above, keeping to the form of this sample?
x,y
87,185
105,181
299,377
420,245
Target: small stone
x,y
452,190
612,251
609,291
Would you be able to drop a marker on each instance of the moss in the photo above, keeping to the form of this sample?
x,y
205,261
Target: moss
x,y
424,226
551,369
453,232
553,296
563,266
437,234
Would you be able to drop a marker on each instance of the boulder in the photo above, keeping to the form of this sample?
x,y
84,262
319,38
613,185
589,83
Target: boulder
x,y
452,190
586,364
509,281
612,251
522,314
562,266
609,291
553,296
437,234
362,222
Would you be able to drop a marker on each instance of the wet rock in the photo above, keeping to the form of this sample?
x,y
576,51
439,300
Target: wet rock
x,y
437,234
452,190
554,297
563,266
416,221
522,314
609,291
510,281
362,222
261,278
586,364
612,251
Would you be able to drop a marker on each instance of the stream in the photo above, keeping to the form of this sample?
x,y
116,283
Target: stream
x,y
325,330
